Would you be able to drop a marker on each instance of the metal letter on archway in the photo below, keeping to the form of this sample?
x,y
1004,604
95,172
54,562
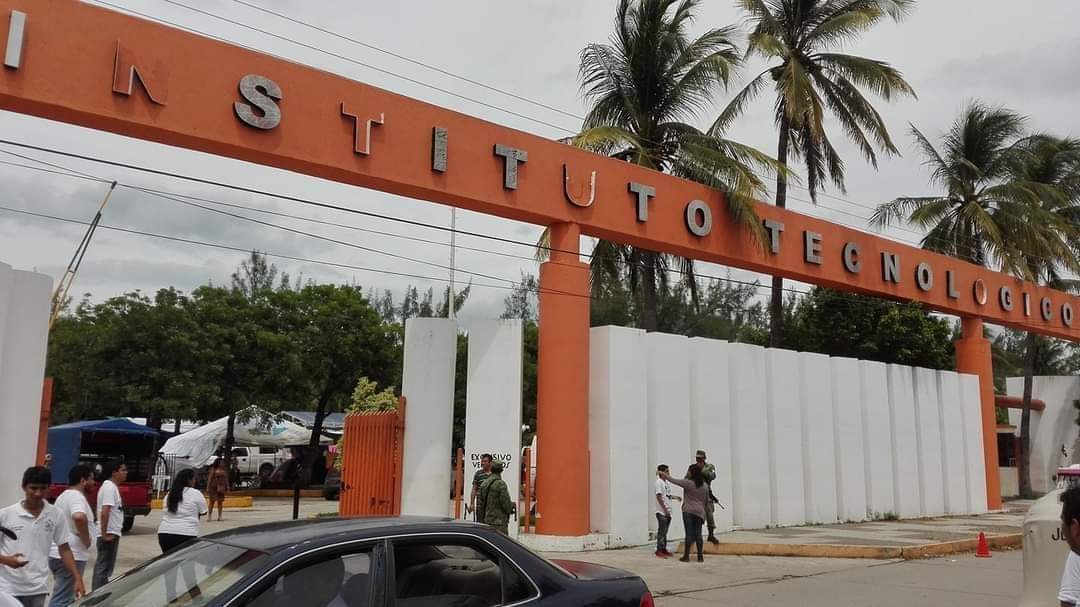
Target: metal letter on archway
x,y
63,60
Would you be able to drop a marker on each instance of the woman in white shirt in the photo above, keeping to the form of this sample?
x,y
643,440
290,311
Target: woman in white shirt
x,y
183,507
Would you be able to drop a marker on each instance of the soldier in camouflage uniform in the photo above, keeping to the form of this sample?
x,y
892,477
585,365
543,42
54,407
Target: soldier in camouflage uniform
x,y
708,471
493,504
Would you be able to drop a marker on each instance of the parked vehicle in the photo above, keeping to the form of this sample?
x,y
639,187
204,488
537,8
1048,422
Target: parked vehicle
x,y
253,461
107,441
369,562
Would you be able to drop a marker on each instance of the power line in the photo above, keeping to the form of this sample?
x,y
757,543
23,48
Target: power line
x,y
325,52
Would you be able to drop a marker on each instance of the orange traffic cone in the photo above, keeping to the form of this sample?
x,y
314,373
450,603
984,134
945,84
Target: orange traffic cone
x,y
983,551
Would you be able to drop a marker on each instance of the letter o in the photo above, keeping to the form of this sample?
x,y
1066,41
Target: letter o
x,y
695,211
924,276
1006,298
1066,314
1047,309
978,290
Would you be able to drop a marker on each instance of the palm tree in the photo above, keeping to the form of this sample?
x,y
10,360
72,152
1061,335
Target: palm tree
x,y
643,87
974,167
1049,230
800,38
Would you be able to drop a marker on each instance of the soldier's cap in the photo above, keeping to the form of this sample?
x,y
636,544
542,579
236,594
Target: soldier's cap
x,y
701,453
496,467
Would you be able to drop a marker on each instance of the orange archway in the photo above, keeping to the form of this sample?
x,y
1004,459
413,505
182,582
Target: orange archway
x,y
77,63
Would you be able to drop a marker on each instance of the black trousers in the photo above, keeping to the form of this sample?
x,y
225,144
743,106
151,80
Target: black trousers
x,y
172,541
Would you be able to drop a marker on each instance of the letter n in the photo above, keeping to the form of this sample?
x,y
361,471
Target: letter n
x,y
125,72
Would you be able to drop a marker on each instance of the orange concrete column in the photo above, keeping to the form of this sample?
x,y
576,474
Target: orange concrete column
x,y
973,356
562,389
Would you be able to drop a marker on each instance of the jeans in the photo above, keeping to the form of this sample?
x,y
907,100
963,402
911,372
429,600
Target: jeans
x,y
663,522
693,524
106,561
63,593
33,600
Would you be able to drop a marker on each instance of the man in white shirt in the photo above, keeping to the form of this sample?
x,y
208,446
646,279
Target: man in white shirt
x,y
79,517
24,562
110,510
663,512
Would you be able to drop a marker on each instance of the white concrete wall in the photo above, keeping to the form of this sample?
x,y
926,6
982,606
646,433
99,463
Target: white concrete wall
x,y
795,437
877,439
905,452
710,418
954,475
621,477
1052,429
818,439
973,444
783,390
668,388
24,317
752,500
428,386
928,433
848,428
493,401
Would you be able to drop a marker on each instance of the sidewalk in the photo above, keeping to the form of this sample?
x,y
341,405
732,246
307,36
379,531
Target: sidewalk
x,y
907,539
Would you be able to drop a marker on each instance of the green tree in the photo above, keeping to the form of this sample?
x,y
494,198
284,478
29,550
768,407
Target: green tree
x,y
368,397
974,169
857,326
800,39
643,88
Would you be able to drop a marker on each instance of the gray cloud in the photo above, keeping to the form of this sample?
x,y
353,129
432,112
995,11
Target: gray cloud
x,y
1041,69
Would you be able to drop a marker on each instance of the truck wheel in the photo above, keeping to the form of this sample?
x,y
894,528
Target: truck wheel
x,y
129,522
265,471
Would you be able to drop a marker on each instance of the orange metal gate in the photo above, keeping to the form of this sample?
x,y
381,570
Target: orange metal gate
x,y
371,463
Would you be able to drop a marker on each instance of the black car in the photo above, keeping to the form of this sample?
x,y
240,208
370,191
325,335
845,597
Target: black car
x,y
367,562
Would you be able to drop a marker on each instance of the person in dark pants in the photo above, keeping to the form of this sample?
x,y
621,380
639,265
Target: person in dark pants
x,y
663,511
111,521
695,495
478,479
184,506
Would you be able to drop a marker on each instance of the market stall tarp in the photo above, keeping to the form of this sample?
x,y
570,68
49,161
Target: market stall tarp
x,y
64,441
258,429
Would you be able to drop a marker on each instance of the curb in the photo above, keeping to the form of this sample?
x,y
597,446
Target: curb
x,y
232,501
841,551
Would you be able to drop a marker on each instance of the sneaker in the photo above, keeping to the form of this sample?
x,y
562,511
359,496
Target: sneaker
x,y
668,554
661,554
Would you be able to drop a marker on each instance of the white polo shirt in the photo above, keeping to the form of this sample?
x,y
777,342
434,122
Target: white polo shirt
x,y
36,535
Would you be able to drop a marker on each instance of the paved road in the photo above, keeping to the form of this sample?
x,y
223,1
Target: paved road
x,y
728,580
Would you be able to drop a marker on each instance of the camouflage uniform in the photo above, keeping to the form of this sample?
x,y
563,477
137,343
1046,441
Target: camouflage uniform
x,y
709,474
493,504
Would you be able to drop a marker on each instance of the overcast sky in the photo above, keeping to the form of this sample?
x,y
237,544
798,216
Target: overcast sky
x,y
1017,54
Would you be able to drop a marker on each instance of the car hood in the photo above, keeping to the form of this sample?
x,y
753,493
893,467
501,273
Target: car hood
x,y
592,571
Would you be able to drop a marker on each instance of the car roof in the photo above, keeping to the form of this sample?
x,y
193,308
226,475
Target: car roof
x,y
271,537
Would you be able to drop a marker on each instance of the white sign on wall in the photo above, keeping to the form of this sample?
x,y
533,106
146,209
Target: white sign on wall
x,y
493,404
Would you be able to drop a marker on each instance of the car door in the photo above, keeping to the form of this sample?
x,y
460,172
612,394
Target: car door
x,y
351,574
454,570
243,461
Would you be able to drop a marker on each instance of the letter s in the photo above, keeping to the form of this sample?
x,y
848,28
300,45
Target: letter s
x,y
261,92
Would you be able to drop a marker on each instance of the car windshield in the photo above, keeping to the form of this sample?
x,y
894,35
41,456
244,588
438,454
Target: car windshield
x,y
193,575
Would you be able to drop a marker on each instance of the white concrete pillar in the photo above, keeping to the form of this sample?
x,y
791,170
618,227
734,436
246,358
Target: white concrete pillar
x,y
493,401
954,471
928,434
818,438
622,479
973,443
850,462
906,494
710,418
785,405
428,386
24,335
668,378
877,439
751,486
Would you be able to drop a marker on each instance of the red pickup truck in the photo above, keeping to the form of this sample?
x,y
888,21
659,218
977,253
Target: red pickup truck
x,y
107,441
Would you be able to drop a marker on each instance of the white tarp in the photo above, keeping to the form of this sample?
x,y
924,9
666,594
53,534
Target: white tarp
x,y
249,430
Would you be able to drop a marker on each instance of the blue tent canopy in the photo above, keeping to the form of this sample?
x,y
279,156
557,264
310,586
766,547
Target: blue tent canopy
x,y
65,441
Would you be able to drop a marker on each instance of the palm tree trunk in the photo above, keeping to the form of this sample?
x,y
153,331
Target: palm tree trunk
x,y
649,301
1024,465
776,303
